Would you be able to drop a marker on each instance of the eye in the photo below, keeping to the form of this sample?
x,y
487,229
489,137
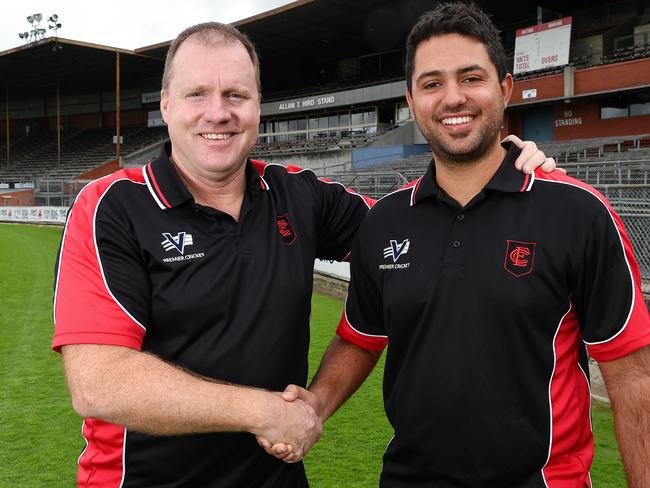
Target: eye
x,y
195,94
472,79
431,85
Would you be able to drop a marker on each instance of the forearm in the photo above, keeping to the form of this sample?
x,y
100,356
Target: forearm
x,y
628,384
632,425
146,394
343,369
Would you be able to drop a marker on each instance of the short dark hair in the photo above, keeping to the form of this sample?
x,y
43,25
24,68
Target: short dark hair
x,y
210,34
466,19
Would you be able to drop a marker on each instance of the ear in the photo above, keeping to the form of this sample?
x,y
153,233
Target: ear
x,y
164,100
506,89
409,100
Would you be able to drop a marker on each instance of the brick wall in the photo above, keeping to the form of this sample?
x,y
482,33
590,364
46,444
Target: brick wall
x,y
21,198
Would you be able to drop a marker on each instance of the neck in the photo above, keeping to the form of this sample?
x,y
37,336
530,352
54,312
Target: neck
x,y
463,181
222,193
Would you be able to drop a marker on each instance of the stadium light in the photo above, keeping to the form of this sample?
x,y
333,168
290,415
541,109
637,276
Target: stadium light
x,y
54,24
37,33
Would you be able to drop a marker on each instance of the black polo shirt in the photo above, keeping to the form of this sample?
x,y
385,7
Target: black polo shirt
x,y
487,310
142,265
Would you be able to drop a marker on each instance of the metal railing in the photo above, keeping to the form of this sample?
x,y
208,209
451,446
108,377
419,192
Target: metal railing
x,y
374,185
617,172
632,204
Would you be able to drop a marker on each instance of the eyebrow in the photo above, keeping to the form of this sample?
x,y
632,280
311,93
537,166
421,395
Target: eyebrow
x,y
466,69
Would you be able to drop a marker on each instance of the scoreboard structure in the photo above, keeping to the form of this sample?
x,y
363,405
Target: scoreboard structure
x,y
542,46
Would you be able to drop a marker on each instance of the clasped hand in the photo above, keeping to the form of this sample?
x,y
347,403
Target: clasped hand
x,y
296,429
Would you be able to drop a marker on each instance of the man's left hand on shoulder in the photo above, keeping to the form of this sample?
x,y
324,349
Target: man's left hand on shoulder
x,y
531,157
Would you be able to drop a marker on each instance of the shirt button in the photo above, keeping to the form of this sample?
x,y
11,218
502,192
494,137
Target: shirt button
x,y
456,244
460,216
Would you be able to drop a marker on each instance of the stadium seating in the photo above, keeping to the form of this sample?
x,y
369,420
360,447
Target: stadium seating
x,y
312,145
35,157
601,161
599,149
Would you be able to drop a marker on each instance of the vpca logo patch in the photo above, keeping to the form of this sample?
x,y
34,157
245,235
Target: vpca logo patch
x,y
178,242
285,229
395,250
520,257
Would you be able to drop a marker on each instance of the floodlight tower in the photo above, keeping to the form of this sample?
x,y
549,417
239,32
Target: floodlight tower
x,y
37,32
54,24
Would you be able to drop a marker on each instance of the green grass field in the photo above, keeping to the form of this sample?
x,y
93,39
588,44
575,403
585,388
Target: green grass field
x,y
40,435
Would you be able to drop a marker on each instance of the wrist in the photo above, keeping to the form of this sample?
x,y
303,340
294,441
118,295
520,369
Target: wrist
x,y
262,412
320,405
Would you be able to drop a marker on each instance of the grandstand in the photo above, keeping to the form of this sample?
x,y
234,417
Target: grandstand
x,y
82,150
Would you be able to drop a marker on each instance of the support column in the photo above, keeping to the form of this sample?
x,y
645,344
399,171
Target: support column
x,y
58,120
117,102
7,122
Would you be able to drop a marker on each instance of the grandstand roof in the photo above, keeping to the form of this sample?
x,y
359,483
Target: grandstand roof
x,y
304,27
33,67
299,30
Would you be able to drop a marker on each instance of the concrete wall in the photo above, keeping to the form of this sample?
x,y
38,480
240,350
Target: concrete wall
x,y
371,156
142,156
579,119
406,134
325,162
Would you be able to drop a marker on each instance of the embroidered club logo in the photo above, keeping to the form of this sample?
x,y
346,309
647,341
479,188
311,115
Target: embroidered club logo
x,y
285,229
396,250
520,257
178,242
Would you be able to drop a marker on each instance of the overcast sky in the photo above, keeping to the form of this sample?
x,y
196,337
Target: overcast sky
x,y
122,23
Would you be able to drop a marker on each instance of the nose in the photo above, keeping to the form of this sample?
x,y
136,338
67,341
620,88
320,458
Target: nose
x,y
217,110
454,95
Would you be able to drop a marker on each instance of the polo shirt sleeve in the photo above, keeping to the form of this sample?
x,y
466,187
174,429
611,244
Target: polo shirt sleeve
x,y
362,320
101,285
341,211
609,300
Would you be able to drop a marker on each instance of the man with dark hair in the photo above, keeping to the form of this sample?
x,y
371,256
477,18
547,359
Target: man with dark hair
x,y
182,280
489,288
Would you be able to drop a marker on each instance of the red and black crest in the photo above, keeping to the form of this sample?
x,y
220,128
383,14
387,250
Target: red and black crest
x,y
285,229
520,257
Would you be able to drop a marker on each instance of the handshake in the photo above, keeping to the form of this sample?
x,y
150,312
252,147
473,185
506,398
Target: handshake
x,y
294,424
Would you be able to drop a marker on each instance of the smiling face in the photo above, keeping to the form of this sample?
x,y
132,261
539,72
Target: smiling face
x,y
456,97
212,108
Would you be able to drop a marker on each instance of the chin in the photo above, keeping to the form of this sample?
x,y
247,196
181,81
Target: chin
x,y
460,154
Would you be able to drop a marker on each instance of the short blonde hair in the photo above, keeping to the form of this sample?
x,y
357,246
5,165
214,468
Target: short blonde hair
x,y
211,34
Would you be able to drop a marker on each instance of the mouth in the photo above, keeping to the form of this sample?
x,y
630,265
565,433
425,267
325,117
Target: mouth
x,y
213,136
456,121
